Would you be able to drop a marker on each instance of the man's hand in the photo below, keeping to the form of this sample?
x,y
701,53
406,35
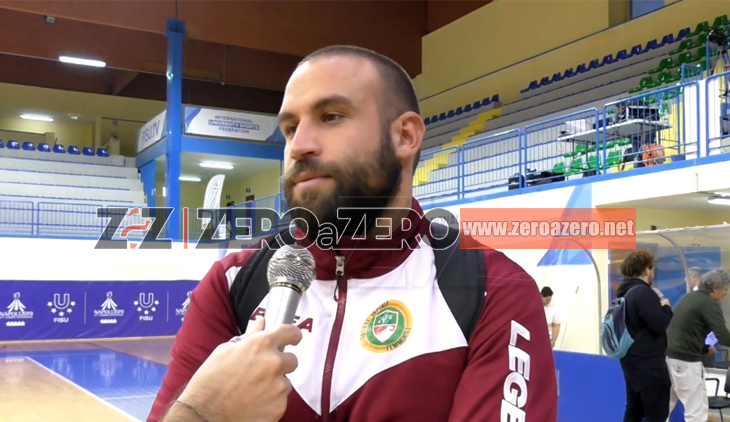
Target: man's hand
x,y
665,302
712,351
245,380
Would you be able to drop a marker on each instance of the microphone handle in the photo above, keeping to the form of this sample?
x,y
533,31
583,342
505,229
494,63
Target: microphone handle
x,y
282,306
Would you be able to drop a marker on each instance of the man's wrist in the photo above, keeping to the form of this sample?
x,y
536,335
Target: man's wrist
x,y
182,412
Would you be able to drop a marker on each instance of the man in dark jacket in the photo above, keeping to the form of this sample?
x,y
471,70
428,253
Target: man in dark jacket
x,y
647,319
696,315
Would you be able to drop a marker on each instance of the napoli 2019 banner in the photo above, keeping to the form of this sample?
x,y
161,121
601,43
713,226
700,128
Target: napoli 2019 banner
x,y
53,310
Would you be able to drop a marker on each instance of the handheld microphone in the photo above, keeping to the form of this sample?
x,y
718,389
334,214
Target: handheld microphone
x,y
290,273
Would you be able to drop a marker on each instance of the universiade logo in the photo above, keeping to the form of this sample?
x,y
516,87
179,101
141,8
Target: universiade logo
x,y
247,224
16,312
61,307
108,312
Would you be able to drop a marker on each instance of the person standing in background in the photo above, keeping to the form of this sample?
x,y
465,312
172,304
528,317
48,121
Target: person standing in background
x,y
696,315
694,278
554,319
647,318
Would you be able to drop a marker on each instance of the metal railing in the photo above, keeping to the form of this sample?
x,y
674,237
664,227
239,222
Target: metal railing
x,y
717,114
561,147
654,128
651,129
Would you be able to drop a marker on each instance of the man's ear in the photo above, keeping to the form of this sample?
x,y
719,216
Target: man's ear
x,y
408,130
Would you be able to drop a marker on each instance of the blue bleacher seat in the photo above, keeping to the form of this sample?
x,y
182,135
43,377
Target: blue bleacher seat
x,y
557,77
450,114
477,105
683,33
608,59
468,108
442,116
668,39
459,111
28,146
73,149
1,144
581,68
101,152
636,50
43,147
427,120
59,149
495,98
622,55
594,64
13,144
88,151
651,45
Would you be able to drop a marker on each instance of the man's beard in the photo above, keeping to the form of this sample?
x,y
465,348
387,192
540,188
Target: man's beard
x,y
358,184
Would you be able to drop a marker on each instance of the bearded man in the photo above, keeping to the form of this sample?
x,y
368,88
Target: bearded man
x,y
353,135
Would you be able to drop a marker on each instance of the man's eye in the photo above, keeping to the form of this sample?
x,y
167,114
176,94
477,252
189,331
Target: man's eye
x,y
290,129
331,117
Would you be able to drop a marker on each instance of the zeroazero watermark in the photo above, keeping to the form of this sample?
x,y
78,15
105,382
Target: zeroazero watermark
x,y
144,228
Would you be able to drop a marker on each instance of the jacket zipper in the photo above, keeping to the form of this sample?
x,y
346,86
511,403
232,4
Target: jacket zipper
x,y
340,296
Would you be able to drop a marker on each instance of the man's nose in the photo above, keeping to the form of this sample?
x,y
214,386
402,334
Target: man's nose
x,y
305,141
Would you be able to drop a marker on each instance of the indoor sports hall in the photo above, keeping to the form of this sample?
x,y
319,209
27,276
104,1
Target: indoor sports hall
x,y
173,105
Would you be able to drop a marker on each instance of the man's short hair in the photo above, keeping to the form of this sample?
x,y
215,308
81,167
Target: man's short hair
x,y
399,93
546,291
694,271
714,279
637,263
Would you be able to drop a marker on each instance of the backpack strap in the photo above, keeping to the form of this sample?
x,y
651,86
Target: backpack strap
x,y
460,273
461,276
251,284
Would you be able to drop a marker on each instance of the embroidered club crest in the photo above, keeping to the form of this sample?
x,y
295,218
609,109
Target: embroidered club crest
x,y
387,327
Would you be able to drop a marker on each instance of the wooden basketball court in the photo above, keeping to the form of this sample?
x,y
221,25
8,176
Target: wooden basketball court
x,y
113,381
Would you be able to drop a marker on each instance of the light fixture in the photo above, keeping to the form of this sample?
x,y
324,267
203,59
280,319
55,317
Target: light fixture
x,y
83,62
36,117
74,117
718,200
217,166
188,179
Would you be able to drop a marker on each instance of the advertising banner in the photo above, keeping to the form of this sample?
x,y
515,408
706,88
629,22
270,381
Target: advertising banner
x,y
53,310
228,124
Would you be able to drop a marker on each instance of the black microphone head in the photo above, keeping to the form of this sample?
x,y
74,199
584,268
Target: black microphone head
x,y
291,266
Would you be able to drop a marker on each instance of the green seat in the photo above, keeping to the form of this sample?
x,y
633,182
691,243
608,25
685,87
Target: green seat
x,y
591,162
559,168
625,142
591,148
664,64
580,149
611,144
576,166
720,21
685,44
701,27
614,158
569,154
701,53
683,58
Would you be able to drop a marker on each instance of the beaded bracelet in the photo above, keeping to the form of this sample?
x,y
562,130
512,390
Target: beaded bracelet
x,y
192,409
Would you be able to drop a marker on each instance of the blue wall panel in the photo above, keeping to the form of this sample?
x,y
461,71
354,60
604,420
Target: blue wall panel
x,y
52,310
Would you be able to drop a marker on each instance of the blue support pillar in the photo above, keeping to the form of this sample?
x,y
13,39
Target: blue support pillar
x,y
147,173
175,38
